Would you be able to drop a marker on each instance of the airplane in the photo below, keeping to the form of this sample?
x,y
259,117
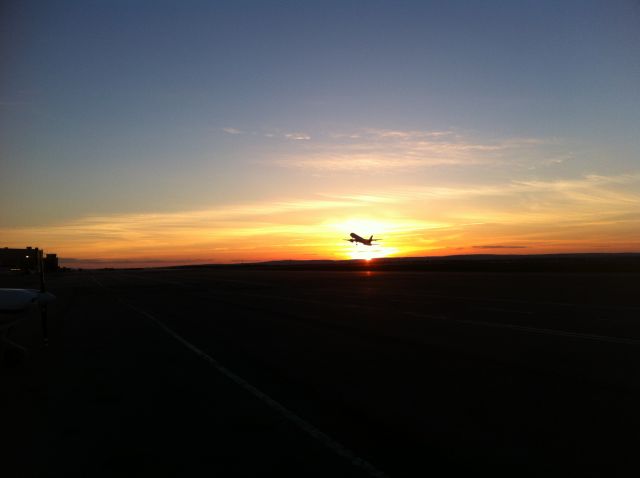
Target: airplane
x,y
367,242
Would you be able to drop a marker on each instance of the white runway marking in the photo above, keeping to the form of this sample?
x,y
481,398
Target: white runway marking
x,y
615,308
535,330
301,423
191,283
505,311
186,285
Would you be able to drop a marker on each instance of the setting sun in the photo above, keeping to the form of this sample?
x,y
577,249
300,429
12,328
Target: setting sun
x,y
369,252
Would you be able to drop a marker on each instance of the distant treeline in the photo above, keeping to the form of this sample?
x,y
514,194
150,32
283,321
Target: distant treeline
x,y
547,263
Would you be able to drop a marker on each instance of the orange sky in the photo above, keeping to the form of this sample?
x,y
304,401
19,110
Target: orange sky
x,y
590,214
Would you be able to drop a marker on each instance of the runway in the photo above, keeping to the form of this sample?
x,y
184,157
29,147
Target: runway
x,y
414,373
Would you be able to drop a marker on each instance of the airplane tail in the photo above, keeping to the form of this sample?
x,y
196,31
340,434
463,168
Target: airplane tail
x,y
371,238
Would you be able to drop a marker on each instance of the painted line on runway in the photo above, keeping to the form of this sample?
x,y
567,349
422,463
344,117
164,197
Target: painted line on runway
x,y
301,423
186,285
194,282
615,308
535,330
504,311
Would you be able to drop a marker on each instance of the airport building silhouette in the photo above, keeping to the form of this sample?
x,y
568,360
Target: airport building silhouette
x,y
27,259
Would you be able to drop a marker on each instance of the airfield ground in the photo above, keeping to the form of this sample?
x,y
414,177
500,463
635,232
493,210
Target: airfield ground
x,y
245,372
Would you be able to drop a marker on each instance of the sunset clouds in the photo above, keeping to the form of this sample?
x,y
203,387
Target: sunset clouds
x,y
374,150
593,212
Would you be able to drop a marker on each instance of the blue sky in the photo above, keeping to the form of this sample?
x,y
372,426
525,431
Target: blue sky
x,y
150,107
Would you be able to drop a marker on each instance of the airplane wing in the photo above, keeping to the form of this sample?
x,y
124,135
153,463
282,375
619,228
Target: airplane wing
x,y
16,300
14,306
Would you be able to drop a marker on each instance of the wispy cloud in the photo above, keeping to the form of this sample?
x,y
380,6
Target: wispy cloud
x,y
498,246
294,135
377,150
404,134
298,136
596,186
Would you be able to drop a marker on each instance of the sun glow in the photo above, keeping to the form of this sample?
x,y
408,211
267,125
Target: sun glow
x,y
387,232
370,252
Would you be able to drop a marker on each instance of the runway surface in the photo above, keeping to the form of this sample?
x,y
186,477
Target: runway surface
x,y
375,373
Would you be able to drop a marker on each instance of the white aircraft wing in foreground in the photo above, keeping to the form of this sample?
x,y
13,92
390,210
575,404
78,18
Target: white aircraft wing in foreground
x,y
15,305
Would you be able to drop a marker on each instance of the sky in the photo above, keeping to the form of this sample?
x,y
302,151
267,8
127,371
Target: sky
x,y
157,133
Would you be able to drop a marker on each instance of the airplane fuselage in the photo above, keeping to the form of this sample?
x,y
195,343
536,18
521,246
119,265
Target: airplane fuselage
x,y
361,240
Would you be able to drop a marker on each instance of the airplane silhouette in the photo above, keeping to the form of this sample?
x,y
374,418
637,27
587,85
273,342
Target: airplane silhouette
x,y
367,242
